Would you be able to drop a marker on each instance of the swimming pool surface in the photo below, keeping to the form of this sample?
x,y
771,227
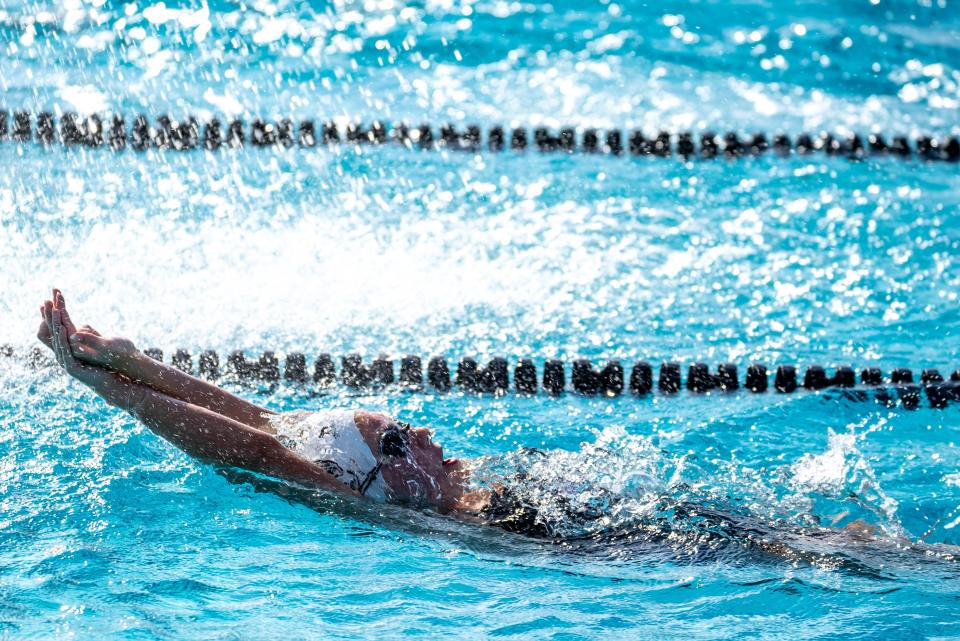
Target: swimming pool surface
x,y
108,532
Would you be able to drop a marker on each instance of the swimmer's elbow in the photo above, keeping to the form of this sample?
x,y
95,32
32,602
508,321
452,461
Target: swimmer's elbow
x,y
136,401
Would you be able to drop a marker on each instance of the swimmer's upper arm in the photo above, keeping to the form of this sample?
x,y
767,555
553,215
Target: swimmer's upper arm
x,y
215,438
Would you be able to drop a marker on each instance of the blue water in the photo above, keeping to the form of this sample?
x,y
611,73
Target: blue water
x,y
108,532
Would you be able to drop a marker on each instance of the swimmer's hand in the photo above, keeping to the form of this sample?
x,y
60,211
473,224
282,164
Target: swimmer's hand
x,y
86,343
114,353
106,383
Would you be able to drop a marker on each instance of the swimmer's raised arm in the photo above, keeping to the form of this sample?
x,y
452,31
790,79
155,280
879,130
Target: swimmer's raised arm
x,y
197,431
120,355
214,438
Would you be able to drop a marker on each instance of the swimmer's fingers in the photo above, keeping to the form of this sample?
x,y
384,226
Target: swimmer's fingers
x,y
54,323
64,335
48,319
59,330
43,333
89,330
61,304
56,327
48,313
62,341
66,356
45,311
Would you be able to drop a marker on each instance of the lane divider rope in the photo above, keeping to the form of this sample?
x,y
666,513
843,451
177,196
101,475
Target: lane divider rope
x,y
165,133
608,380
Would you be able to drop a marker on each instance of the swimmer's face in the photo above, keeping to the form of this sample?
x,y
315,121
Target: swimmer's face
x,y
418,477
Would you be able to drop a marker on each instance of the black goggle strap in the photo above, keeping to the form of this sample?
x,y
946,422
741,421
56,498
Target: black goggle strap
x,y
370,478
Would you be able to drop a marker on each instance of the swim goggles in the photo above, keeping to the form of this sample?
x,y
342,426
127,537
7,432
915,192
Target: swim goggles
x,y
395,441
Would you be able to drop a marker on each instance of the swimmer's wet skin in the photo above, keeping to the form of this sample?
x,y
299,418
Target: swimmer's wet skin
x,y
370,456
365,454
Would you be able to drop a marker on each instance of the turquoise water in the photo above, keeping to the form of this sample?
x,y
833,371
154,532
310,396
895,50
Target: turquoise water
x,y
108,532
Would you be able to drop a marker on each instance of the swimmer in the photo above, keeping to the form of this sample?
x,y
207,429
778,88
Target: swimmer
x,y
370,456
354,453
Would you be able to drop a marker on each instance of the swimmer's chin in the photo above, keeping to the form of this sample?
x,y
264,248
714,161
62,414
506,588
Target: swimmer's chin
x,y
457,474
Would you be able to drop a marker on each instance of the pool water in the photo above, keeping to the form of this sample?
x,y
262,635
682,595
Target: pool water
x,y
108,532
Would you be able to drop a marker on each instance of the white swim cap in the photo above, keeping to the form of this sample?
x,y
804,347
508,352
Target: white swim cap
x,y
332,440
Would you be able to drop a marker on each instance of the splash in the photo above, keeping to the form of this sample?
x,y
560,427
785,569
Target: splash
x,y
842,478
598,488
622,494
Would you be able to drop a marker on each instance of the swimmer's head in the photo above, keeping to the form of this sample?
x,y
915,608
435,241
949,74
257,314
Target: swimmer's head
x,y
414,468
